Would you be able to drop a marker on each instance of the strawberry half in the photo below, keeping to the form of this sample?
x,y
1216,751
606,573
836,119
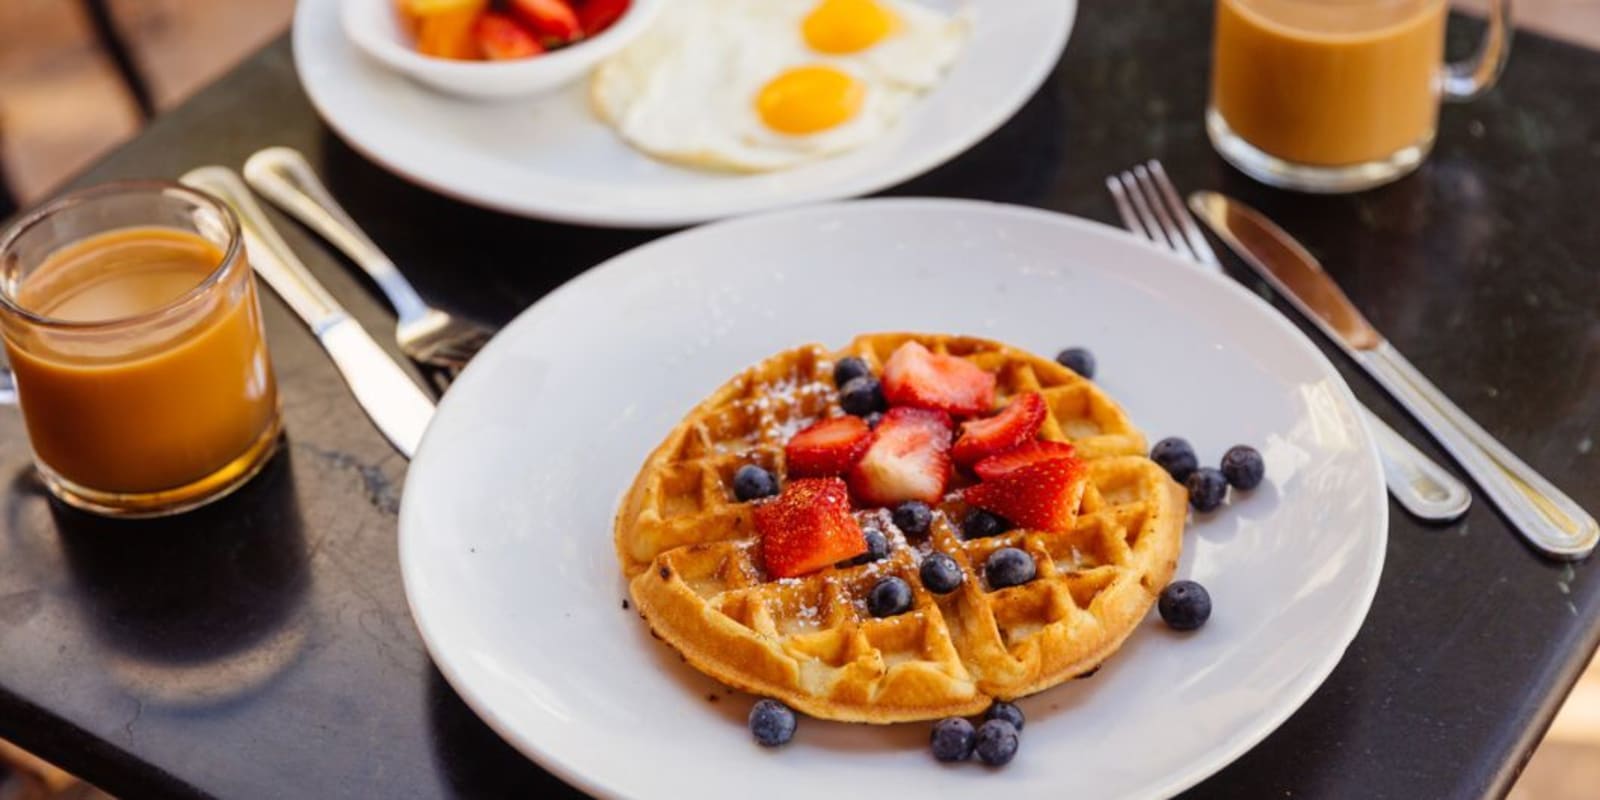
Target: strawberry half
x,y
1042,496
829,447
909,459
501,38
1011,460
1014,425
553,20
807,527
595,16
916,376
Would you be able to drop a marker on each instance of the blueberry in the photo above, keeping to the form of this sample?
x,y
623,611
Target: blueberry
x,y
1184,605
981,524
772,723
1077,359
877,549
1207,488
940,573
873,419
889,597
848,369
913,518
1243,467
1176,456
862,396
753,483
1009,566
1006,711
952,739
996,742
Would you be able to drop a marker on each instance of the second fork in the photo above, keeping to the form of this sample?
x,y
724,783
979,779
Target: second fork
x,y
1150,207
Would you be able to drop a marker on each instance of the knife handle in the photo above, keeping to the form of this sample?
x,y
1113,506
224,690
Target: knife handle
x,y
273,260
1543,514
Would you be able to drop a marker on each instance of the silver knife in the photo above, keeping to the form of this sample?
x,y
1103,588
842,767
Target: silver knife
x,y
396,405
1546,517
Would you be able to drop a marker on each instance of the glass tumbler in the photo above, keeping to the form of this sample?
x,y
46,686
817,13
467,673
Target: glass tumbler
x,y
1338,95
134,338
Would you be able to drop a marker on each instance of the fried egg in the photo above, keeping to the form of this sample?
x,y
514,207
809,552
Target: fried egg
x,y
758,85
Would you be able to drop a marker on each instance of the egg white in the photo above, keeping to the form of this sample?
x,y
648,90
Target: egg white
x,y
685,91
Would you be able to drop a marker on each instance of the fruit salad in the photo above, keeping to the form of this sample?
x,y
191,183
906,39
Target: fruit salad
x,y
501,30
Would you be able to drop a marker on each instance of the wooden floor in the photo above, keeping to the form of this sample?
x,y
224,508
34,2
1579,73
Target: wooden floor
x,y
62,104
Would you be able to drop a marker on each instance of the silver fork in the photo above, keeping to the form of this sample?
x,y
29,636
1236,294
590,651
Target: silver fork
x,y
427,335
1150,207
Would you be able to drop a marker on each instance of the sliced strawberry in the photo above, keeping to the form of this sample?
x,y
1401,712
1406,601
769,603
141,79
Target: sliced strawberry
x,y
909,459
917,377
1015,424
551,19
807,527
1031,453
595,16
501,38
1042,496
829,447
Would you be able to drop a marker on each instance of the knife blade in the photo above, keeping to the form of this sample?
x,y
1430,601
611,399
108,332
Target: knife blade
x,y
395,404
1545,516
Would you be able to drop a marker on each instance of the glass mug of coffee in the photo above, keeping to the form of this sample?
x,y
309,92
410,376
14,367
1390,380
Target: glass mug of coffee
x,y
1338,95
134,337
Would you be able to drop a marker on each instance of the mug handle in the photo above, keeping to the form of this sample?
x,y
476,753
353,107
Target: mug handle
x,y
1467,79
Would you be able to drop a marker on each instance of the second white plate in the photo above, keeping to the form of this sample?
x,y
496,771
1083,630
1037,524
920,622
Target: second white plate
x,y
505,527
551,158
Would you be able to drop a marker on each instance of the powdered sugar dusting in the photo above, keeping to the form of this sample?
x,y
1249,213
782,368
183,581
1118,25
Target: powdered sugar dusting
x,y
1077,557
875,569
784,402
785,430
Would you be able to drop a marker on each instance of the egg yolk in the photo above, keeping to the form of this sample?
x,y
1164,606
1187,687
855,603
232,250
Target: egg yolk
x,y
809,99
847,26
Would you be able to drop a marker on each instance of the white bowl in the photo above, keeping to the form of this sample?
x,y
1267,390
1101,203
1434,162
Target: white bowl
x,y
374,26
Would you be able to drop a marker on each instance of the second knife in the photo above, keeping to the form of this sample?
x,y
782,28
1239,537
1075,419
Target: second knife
x,y
394,403
1545,516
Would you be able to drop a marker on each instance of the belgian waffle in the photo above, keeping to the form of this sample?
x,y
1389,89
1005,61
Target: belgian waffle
x,y
691,552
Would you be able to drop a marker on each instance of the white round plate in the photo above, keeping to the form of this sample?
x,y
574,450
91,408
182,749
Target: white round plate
x,y
505,526
551,158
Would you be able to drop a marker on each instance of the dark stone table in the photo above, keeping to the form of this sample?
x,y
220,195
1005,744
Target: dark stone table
x,y
262,647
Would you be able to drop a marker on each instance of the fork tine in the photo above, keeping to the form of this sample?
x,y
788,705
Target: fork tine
x,y
1169,227
446,358
1152,226
448,347
440,379
457,357
1120,197
1191,231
